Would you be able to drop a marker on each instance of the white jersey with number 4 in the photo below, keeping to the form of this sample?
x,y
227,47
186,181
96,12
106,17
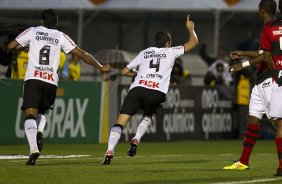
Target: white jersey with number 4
x,y
45,46
154,67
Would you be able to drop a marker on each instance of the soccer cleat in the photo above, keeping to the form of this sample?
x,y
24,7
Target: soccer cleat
x,y
279,172
39,140
132,148
236,166
32,158
108,158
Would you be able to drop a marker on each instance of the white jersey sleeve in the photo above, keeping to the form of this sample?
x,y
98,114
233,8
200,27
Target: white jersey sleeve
x,y
178,51
135,62
67,44
24,38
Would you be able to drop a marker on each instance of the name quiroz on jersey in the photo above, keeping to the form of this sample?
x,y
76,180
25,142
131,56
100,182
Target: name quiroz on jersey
x,y
44,36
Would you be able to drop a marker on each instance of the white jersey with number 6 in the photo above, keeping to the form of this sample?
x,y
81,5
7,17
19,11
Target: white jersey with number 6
x,y
154,67
45,46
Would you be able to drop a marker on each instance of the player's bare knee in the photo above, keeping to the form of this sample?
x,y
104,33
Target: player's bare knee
x,y
254,120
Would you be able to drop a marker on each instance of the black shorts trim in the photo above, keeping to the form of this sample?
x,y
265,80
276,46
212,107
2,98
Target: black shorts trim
x,y
147,100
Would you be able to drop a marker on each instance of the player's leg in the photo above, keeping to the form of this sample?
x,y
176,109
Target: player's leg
x,y
260,97
114,137
30,128
129,107
278,142
276,113
151,101
31,98
47,100
41,122
252,133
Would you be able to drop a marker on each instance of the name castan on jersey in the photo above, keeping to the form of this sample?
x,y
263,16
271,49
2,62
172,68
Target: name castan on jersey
x,y
154,67
44,52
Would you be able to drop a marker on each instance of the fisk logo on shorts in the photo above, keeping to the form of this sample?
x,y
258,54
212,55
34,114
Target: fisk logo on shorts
x,y
266,84
43,75
151,84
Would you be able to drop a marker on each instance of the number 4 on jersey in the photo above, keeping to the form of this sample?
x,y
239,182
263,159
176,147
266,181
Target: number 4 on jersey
x,y
156,65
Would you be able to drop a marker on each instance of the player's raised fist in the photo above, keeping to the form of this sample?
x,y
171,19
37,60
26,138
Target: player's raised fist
x,y
106,68
189,24
236,54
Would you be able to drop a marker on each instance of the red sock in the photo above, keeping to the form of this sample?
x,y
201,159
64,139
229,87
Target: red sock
x,y
278,142
250,137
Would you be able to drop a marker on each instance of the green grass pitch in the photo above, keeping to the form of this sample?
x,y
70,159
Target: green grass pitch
x,y
169,163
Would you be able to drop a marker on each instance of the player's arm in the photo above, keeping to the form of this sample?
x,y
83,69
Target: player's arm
x,y
268,60
13,44
239,66
89,59
128,72
193,39
237,54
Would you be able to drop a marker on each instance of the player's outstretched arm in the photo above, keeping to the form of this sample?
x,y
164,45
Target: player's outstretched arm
x,y
13,44
193,39
239,66
89,59
237,54
129,73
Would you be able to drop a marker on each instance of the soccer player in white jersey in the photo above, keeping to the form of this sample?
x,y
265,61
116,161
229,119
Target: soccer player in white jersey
x,y
148,91
41,79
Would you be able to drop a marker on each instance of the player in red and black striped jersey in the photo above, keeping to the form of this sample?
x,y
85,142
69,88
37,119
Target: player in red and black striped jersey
x,y
272,46
261,92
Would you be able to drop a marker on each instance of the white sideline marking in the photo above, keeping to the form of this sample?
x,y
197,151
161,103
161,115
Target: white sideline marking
x,y
250,181
5,157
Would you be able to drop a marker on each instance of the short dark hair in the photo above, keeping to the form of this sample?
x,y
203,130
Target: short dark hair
x,y
49,17
269,6
162,38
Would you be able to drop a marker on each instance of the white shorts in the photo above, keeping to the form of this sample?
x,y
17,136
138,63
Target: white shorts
x,y
275,103
260,99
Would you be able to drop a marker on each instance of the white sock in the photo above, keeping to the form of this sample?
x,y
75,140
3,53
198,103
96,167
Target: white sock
x,y
30,132
141,129
41,122
114,137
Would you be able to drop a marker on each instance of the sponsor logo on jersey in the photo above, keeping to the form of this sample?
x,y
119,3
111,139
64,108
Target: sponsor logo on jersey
x,y
277,32
153,54
43,75
150,84
278,63
266,84
43,69
44,36
280,74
